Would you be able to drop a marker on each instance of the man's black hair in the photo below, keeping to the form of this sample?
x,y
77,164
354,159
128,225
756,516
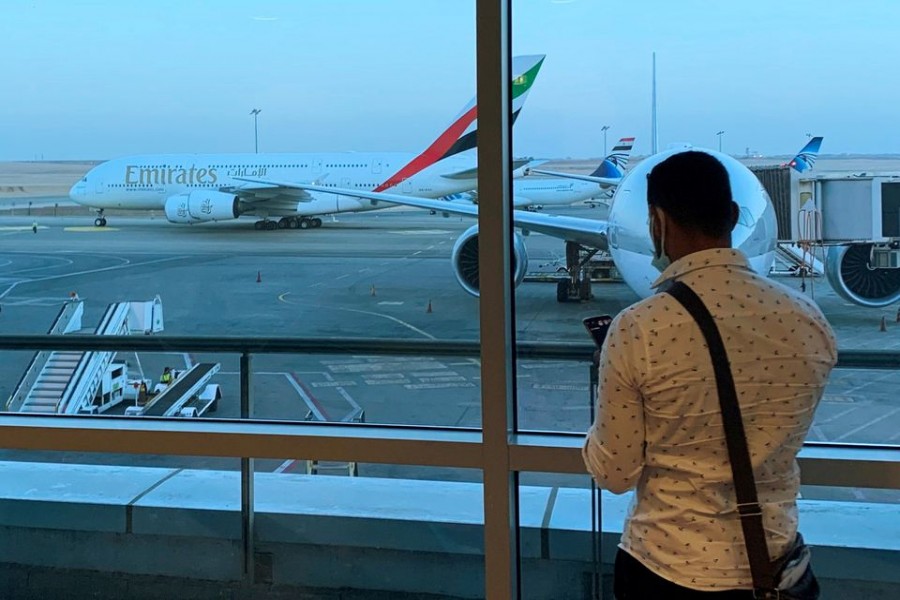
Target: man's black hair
x,y
693,188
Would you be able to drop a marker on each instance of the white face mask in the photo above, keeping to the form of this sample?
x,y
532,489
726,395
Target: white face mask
x,y
660,260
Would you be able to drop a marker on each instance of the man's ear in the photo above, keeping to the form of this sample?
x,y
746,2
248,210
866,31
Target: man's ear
x,y
735,214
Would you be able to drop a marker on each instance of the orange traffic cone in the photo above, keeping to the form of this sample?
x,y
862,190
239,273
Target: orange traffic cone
x,y
258,277
883,324
373,289
428,310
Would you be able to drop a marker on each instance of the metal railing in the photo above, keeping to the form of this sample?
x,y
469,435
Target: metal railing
x,y
249,439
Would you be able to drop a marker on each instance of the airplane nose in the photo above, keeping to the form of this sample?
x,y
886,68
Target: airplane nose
x,y
77,191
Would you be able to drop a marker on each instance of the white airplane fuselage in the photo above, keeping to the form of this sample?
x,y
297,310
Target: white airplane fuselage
x,y
552,192
147,182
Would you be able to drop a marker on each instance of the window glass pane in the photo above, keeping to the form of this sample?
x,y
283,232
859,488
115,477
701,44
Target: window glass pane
x,y
751,112
175,140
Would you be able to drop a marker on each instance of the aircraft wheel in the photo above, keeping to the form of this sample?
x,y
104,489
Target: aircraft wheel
x,y
293,223
98,222
282,224
562,291
316,222
258,225
584,289
304,223
271,225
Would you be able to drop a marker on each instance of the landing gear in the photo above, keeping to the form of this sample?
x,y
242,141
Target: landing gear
x,y
100,221
578,283
289,223
266,224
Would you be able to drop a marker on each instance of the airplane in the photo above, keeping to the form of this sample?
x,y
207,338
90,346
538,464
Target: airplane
x,y
533,193
806,158
196,188
804,161
624,234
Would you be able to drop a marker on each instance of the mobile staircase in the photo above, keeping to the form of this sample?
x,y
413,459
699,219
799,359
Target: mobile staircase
x,y
83,382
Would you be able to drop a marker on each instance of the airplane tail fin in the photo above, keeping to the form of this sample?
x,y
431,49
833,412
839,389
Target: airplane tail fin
x,y
806,158
614,165
463,130
462,134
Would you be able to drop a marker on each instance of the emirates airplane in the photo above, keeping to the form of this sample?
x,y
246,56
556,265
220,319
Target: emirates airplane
x,y
195,188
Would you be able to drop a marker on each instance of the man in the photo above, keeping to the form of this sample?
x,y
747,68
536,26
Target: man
x,y
659,428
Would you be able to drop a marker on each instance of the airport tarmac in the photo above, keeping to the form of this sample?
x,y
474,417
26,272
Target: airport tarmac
x,y
371,275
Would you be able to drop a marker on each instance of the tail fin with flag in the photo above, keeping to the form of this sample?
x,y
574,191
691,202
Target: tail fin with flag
x,y
614,165
462,133
806,158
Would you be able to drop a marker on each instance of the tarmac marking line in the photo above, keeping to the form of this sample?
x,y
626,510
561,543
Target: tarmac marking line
x,y
837,416
867,425
126,264
78,229
317,409
367,312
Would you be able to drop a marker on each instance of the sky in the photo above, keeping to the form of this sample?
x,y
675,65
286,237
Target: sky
x,y
98,79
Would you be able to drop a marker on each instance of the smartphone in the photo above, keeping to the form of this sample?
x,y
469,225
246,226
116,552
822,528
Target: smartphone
x,y
598,327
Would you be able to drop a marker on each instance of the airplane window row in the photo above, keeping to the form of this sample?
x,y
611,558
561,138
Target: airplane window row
x,y
257,166
333,165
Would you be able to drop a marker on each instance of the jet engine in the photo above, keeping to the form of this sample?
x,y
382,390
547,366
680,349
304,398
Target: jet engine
x,y
202,205
465,260
851,273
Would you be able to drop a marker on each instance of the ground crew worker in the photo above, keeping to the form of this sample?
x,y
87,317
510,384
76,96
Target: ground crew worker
x,y
166,377
34,226
142,394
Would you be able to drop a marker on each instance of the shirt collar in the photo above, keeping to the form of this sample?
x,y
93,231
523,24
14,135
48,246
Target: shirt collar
x,y
714,257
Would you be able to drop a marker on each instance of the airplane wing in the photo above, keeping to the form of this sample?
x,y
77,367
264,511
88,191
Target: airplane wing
x,y
254,192
588,232
473,172
610,181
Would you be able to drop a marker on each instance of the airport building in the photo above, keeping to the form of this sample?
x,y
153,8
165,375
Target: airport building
x,y
205,482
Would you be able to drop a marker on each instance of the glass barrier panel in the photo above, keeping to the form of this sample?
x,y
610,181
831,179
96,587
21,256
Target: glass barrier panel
x,y
105,525
323,526
561,550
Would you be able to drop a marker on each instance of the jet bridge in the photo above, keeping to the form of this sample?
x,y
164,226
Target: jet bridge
x,y
83,382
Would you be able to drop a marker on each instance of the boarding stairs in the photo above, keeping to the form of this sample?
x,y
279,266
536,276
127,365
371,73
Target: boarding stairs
x,y
791,259
68,382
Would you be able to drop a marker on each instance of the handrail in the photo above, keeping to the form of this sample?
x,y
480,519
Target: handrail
x,y
568,351
856,466
40,359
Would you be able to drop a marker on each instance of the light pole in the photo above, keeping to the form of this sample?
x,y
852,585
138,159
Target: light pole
x,y
255,112
720,134
604,129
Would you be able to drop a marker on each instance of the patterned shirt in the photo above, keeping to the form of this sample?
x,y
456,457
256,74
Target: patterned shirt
x,y
659,428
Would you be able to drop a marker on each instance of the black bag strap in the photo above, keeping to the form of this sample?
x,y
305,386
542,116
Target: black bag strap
x,y
735,438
